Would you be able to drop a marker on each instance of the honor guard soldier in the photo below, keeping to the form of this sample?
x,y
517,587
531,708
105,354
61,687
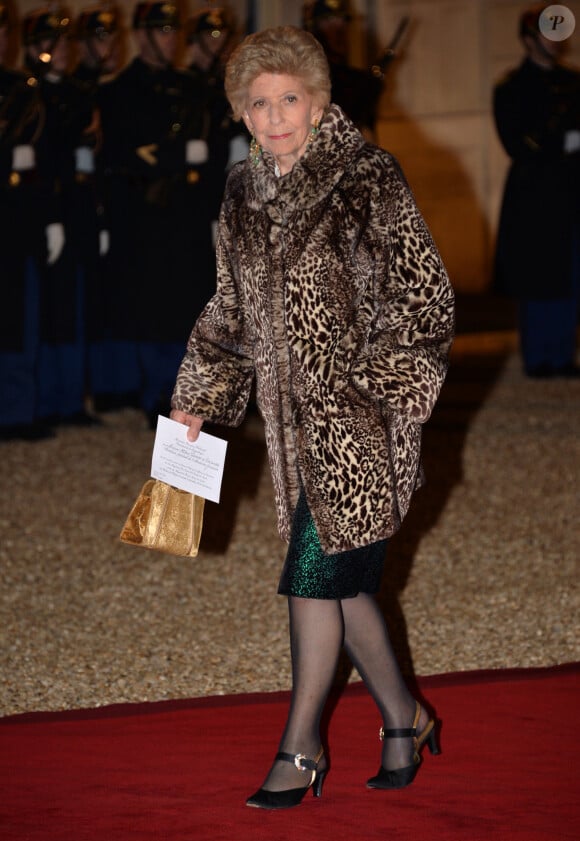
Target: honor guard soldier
x,y
211,36
97,33
66,159
356,91
161,182
98,36
210,33
22,236
537,116
33,235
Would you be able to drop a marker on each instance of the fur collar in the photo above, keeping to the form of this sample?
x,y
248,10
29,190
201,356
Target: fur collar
x,y
313,176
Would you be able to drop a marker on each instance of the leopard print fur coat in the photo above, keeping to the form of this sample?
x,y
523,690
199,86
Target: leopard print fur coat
x,y
332,295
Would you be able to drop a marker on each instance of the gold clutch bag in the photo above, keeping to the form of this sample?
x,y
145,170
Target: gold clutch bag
x,y
165,518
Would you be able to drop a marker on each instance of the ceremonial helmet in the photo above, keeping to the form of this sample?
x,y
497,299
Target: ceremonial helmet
x,y
156,16
97,22
43,24
216,20
316,10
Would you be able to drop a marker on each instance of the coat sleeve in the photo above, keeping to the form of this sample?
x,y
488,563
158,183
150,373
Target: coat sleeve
x,y
534,110
215,377
518,136
405,359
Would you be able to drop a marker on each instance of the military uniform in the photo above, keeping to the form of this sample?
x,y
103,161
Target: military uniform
x,y
67,131
161,183
29,205
97,33
537,115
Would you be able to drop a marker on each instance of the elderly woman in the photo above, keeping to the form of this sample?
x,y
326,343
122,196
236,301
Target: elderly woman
x,y
332,295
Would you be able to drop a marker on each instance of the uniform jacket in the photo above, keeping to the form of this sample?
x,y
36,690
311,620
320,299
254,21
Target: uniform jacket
x,y
540,216
331,292
29,201
159,208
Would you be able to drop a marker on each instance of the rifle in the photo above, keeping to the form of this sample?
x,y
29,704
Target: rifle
x,y
380,67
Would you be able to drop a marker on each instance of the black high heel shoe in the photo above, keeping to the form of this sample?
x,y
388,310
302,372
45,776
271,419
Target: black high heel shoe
x,y
263,799
401,777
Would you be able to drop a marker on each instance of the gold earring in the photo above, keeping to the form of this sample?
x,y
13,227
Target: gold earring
x,y
255,151
314,129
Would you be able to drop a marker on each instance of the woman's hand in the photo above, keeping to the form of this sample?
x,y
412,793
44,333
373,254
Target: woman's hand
x,y
194,423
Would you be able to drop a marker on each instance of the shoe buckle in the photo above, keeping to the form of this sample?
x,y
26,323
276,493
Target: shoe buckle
x,y
382,734
298,760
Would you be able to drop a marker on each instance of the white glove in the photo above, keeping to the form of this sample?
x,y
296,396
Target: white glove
x,y
54,241
196,152
571,141
239,148
23,158
84,160
104,243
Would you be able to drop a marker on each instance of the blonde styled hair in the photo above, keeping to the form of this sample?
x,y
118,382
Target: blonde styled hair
x,y
282,49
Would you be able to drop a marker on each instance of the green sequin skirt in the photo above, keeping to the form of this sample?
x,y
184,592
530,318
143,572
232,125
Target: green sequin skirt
x,y
311,574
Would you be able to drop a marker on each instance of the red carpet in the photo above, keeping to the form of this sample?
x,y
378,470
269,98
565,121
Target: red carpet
x,y
181,770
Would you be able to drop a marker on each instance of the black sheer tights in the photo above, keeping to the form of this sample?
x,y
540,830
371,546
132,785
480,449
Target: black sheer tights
x,y
368,645
318,630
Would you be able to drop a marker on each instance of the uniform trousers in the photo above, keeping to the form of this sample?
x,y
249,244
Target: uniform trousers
x,y
159,363
18,368
62,368
548,327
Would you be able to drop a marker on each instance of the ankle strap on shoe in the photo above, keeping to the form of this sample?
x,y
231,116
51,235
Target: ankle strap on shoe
x,y
300,760
402,732
397,733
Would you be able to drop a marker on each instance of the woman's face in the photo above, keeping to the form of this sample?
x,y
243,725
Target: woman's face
x,y
280,113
